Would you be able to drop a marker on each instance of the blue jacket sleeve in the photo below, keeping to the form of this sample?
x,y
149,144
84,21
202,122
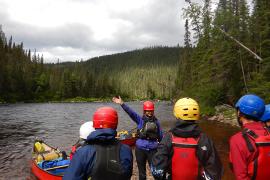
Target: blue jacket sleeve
x,y
132,114
126,158
80,163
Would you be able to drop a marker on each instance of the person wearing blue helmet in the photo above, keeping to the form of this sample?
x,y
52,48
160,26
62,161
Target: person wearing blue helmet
x,y
249,148
266,116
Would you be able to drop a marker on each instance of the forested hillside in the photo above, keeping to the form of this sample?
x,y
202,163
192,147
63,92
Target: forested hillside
x,y
146,73
139,74
218,70
19,71
231,57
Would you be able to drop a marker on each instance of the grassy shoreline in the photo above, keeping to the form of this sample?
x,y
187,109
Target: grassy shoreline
x,y
77,100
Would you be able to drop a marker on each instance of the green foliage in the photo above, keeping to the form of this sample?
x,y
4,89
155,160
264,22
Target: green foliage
x,y
214,72
139,74
207,110
220,69
1,100
260,85
83,99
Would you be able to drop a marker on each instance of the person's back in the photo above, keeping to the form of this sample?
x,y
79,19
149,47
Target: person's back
x,y
103,157
185,152
249,148
108,162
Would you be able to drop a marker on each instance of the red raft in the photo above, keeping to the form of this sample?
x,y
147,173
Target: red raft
x,y
48,163
127,137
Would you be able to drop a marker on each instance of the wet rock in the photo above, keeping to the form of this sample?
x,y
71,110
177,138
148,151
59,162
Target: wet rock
x,y
226,114
213,118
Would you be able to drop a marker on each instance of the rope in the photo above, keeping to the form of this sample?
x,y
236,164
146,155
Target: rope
x,y
243,72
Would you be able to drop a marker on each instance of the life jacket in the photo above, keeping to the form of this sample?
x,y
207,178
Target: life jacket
x,y
149,130
73,150
185,164
108,165
259,168
75,147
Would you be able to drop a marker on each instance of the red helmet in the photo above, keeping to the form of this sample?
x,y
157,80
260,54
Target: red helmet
x,y
148,106
105,117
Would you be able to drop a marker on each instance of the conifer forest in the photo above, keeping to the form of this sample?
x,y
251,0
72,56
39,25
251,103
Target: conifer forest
x,y
226,53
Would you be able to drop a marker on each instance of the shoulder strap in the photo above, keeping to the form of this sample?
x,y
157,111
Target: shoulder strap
x,y
246,133
267,129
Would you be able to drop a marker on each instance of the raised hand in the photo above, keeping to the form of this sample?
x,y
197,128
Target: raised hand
x,y
117,100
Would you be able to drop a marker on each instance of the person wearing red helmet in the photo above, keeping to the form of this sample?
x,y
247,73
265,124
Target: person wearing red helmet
x,y
103,156
149,133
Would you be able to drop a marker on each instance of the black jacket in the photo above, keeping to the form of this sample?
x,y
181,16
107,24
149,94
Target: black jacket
x,y
206,151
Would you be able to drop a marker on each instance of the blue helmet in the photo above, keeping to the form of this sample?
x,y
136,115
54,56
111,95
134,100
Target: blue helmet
x,y
266,115
251,105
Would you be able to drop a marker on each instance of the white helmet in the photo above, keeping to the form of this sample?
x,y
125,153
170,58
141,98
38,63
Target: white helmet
x,y
86,129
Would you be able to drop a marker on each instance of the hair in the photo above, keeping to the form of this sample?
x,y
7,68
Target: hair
x,y
248,117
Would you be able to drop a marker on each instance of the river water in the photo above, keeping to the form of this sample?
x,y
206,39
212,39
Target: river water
x,y
58,124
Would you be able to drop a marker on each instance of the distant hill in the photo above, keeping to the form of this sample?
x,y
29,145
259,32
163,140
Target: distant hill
x,y
138,74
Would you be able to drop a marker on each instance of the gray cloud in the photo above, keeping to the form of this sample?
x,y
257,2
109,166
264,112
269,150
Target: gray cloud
x,y
159,23
68,35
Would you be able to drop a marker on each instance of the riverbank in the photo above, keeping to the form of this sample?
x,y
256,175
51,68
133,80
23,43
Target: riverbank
x,y
77,100
225,114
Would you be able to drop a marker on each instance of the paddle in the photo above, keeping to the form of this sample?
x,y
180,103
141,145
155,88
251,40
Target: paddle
x,y
56,167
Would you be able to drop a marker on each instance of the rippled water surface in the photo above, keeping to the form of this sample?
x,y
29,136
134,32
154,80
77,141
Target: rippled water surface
x,y
58,124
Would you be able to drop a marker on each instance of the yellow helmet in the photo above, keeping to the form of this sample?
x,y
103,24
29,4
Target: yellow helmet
x,y
186,109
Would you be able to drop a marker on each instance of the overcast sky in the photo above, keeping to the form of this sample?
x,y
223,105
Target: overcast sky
x,y
80,29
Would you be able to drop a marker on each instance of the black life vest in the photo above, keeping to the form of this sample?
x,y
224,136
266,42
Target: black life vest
x,y
108,165
259,168
150,129
185,164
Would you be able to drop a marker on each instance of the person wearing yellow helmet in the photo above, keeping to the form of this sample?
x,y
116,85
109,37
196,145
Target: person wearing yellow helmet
x,y
185,152
187,109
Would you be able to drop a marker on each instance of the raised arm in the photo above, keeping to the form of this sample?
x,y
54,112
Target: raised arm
x,y
132,114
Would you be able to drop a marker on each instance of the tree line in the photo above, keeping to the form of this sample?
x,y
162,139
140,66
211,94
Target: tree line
x,y
213,69
218,70
138,74
19,71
